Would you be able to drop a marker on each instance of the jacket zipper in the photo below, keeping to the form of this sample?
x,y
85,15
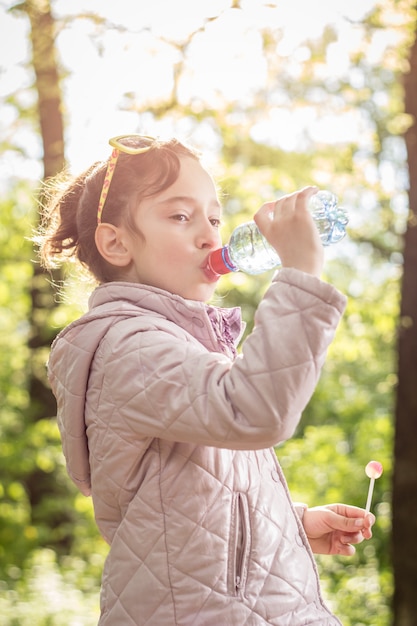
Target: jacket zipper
x,y
241,543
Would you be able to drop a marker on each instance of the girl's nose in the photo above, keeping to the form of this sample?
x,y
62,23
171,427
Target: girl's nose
x,y
208,236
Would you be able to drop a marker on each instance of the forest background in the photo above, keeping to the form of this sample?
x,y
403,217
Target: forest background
x,y
276,97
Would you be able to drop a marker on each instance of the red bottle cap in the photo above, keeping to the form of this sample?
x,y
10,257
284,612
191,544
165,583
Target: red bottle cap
x,y
220,262
216,262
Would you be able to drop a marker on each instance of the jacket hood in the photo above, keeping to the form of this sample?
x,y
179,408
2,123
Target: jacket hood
x,y
74,348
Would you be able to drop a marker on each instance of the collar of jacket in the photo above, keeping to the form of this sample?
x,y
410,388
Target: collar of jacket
x,y
226,322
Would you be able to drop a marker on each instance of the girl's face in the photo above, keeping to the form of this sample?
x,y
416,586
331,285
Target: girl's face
x,y
180,227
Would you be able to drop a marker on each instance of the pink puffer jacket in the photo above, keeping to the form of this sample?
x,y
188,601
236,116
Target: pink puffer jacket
x,y
172,433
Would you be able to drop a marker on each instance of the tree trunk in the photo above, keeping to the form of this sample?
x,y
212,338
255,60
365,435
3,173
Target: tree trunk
x,y
52,135
405,468
42,487
47,84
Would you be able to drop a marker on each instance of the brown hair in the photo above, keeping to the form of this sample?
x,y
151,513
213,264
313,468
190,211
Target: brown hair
x,y
70,214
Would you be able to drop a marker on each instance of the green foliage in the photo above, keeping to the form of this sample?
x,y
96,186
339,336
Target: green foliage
x,y
48,593
16,533
359,378
37,505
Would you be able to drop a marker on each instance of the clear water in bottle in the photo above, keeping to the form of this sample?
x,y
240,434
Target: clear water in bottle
x,y
250,252
330,219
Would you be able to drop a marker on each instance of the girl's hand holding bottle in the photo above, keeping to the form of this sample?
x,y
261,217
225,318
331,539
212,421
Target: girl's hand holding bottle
x,y
250,251
289,227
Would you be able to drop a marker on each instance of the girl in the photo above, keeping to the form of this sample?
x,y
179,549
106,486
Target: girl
x,y
171,431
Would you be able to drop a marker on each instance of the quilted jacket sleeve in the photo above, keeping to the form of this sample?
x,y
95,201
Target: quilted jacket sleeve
x,y
162,386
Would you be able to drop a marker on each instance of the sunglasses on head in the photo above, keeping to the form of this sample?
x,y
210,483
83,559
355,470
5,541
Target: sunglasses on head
x,y
129,144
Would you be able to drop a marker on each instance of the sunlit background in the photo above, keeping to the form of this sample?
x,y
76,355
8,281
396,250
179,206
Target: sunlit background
x,y
124,63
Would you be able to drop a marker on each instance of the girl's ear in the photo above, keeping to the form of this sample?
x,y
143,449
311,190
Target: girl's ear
x,y
111,245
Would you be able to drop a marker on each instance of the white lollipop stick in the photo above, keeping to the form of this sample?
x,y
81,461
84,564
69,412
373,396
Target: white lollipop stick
x,y
370,492
373,471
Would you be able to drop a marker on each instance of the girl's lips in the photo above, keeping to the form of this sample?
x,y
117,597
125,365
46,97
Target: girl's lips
x,y
209,273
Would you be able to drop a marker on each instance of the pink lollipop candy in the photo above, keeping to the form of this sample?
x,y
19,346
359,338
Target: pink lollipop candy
x,y
373,471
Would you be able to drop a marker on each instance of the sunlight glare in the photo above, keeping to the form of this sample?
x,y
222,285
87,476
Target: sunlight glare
x,y
125,56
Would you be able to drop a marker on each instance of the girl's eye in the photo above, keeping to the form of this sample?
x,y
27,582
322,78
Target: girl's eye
x,y
180,217
216,222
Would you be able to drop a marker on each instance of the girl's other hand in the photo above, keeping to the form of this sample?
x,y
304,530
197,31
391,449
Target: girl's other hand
x,y
332,529
289,227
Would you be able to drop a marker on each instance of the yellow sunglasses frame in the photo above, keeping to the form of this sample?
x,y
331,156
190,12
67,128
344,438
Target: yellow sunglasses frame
x,y
118,147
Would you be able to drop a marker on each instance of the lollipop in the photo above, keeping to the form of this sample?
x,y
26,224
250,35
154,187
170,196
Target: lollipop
x,y
373,470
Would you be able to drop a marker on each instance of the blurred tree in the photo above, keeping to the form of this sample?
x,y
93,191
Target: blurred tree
x,y
51,512
405,450
51,126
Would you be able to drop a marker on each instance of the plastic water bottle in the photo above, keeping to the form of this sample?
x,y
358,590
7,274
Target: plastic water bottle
x,y
250,252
